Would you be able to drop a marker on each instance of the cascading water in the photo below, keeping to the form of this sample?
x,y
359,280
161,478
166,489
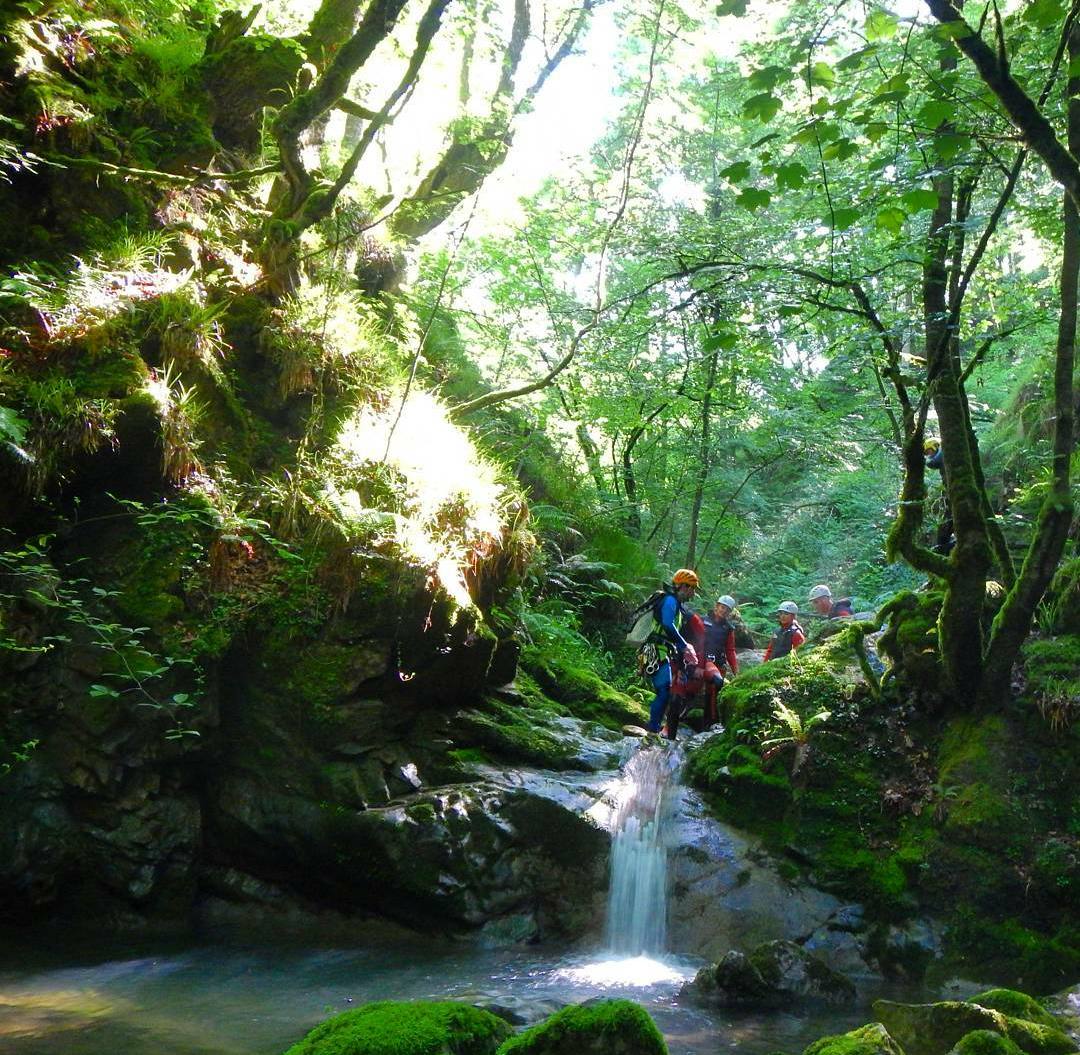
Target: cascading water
x,y
637,898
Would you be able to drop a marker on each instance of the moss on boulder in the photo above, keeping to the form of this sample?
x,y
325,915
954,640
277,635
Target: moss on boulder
x,y
415,1027
1015,1005
934,1029
608,1027
584,693
775,972
985,1042
872,1039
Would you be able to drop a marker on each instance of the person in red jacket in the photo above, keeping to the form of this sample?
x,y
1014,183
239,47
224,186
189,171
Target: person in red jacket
x,y
720,659
789,635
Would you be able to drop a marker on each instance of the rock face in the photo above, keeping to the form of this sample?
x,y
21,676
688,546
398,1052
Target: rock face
x,y
419,1027
607,1027
774,973
727,893
319,780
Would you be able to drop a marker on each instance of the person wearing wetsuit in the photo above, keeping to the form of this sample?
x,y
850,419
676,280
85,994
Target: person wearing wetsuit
x,y
789,635
719,655
669,619
821,600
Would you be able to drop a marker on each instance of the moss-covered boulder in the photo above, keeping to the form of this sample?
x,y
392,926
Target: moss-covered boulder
x,y
985,1042
608,1027
934,1029
872,1039
415,1027
1015,1005
773,973
733,980
789,969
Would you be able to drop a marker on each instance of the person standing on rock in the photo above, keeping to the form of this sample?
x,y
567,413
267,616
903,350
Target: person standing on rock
x,y
719,657
670,615
789,635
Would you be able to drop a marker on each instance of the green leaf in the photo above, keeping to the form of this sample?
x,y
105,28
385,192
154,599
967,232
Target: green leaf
x,y
736,173
98,691
822,75
952,30
842,219
768,77
935,112
1044,13
921,199
886,98
764,107
12,426
1074,67
791,176
891,219
764,139
787,310
731,7
825,131
875,130
821,106
753,198
950,144
841,150
856,58
721,341
880,25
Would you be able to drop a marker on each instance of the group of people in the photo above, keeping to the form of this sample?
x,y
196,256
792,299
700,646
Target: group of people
x,y
688,653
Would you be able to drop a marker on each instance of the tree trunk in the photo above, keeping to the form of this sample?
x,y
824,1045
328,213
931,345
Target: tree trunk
x,y
1013,622
704,459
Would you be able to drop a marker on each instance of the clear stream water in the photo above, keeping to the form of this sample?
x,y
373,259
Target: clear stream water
x,y
247,999
62,995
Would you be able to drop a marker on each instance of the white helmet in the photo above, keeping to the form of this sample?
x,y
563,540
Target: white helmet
x,y
727,601
788,606
820,591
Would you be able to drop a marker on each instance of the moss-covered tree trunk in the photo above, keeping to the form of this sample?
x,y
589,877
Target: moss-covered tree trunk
x,y
1013,622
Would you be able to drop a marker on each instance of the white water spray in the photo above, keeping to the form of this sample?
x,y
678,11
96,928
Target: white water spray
x,y
637,899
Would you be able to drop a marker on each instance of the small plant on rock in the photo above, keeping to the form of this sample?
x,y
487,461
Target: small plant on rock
x,y
794,732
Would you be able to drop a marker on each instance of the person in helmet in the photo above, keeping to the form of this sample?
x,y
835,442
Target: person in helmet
x,y
944,539
719,656
789,635
821,600
687,680
670,615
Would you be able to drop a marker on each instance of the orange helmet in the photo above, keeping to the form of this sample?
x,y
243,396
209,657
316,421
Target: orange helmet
x,y
685,577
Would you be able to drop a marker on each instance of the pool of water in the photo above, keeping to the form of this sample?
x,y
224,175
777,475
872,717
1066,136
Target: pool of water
x,y
245,998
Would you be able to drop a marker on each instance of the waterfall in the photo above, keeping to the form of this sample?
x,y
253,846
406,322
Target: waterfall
x,y
637,898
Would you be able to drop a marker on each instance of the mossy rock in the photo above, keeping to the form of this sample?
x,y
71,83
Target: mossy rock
x,y
415,1027
934,1029
1015,1005
788,968
1064,598
608,1027
1052,668
584,693
910,640
985,1042
508,733
1009,950
872,1039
